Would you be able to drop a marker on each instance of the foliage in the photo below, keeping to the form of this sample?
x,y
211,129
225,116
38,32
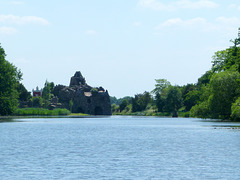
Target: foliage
x,y
116,101
201,110
9,78
24,95
140,101
94,91
205,78
37,102
41,112
173,100
47,93
123,105
115,108
160,102
160,85
228,58
224,91
235,115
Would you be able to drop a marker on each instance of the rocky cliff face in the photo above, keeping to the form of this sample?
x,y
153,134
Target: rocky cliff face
x,y
79,97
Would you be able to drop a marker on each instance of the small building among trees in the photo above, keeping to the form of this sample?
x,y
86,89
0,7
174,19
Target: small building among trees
x,y
37,92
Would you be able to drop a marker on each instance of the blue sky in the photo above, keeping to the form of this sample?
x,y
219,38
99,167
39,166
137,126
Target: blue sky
x,y
122,45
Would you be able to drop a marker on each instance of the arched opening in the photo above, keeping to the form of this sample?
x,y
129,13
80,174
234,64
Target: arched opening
x,y
98,111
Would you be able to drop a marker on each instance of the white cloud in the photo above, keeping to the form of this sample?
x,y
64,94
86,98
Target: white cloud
x,y
7,30
17,2
232,20
12,19
231,6
180,4
91,32
137,24
222,24
178,22
234,6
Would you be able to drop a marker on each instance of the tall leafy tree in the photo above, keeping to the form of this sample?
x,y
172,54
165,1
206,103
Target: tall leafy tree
x,y
228,58
224,91
140,101
173,100
160,85
9,78
24,95
47,93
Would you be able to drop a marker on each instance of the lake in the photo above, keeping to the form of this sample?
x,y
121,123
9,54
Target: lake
x,y
119,148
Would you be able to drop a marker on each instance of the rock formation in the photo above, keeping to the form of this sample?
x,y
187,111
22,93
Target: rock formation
x,y
79,97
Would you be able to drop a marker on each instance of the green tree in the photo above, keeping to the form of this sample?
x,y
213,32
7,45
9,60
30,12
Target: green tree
x,y
37,102
229,58
224,91
160,102
123,105
24,95
235,115
160,85
9,78
140,101
47,93
173,100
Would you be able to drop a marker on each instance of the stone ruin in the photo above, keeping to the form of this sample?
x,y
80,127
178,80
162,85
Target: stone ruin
x,y
79,97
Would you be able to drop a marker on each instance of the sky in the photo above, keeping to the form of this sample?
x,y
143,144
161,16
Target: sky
x,y
121,45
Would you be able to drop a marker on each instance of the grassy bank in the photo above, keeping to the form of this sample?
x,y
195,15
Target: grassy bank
x,y
40,112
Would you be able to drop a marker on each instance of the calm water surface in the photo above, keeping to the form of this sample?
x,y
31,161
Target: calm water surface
x,y
119,148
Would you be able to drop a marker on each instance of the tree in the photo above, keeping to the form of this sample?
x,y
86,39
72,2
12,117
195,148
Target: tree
x,y
9,78
160,102
140,101
224,91
37,102
229,58
160,85
173,100
47,93
235,115
123,105
24,95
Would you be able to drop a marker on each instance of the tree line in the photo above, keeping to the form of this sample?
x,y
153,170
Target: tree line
x,y
215,95
13,93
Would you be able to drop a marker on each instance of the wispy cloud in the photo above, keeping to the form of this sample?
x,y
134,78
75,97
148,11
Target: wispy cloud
x,y
234,6
7,30
220,24
137,24
178,22
91,32
230,21
17,2
179,4
12,19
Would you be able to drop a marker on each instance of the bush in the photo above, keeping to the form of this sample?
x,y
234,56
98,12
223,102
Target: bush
x,y
235,115
41,112
200,110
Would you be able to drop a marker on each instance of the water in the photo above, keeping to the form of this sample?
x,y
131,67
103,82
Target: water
x,y
119,148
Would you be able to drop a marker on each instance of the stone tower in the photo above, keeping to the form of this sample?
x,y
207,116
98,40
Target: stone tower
x,y
84,98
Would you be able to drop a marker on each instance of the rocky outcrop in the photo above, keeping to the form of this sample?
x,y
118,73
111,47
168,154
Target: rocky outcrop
x,y
79,97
